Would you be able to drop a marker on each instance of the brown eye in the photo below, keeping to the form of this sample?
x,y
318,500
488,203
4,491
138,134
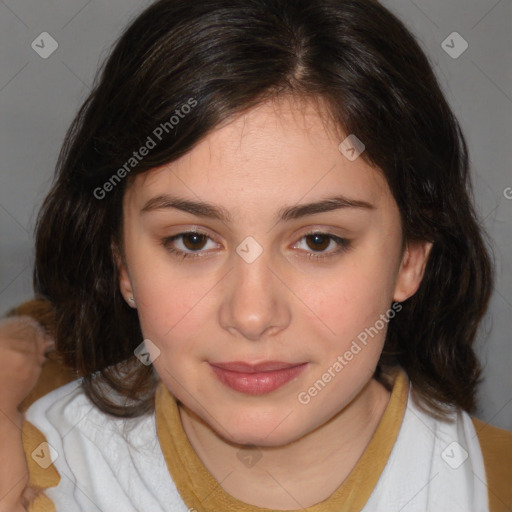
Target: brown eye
x,y
322,246
188,245
319,241
194,241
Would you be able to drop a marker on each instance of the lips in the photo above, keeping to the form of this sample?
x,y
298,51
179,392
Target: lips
x,y
256,379
266,366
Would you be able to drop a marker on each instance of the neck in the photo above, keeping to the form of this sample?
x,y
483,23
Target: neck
x,y
299,474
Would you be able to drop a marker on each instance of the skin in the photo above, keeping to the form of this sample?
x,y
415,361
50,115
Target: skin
x,y
283,306
23,345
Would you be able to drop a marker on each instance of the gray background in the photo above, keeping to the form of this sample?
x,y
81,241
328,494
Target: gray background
x,y
39,97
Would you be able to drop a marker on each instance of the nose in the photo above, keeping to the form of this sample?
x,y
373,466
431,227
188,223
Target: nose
x,y
256,304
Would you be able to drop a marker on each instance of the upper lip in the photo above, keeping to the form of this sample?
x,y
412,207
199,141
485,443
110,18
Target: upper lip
x,y
265,366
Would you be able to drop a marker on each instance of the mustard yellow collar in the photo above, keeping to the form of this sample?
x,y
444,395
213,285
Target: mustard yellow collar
x,y
200,491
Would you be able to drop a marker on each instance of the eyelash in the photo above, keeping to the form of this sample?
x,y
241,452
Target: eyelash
x,y
343,245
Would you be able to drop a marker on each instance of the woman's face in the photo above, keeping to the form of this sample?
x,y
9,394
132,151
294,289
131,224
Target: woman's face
x,y
256,286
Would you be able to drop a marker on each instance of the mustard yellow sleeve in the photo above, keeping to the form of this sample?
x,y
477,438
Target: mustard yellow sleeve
x,y
41,503
40,477
496,445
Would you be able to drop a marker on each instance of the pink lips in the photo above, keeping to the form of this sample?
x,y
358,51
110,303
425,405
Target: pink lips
x,y
256,379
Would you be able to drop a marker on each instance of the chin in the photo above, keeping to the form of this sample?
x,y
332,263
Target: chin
x,y
261,432
261,439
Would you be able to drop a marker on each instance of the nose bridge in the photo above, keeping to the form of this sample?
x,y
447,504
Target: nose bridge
x,y
255,303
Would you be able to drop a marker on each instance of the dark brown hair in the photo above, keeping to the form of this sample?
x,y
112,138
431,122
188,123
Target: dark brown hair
x,y
228,56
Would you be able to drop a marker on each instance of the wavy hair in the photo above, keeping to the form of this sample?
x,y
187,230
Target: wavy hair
x,y
229,56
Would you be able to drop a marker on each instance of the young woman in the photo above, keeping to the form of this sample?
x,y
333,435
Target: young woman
x,y
266,268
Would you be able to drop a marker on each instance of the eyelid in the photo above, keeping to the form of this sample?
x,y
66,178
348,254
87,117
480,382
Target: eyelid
x,y
198,254
343,244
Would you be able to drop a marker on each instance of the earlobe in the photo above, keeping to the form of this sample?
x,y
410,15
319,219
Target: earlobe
x,y
125,284
412,269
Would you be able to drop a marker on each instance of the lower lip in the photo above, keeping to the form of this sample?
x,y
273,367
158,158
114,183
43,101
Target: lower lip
x,y
257,383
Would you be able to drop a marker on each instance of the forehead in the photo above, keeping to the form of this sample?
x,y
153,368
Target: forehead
x,y
279,152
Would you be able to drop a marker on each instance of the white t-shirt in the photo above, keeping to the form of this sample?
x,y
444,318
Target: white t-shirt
x,y
113,464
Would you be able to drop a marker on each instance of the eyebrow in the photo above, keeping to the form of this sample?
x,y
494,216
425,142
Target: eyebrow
x,y
208,210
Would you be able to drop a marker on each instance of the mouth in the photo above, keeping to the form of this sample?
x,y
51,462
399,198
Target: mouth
x,y
256,379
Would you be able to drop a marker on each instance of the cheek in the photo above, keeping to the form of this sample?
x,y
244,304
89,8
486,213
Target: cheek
x,y
169,319
166,295
169,312
174,309
353,298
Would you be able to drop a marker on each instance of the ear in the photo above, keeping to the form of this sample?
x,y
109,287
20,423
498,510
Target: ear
x,y
411,269
125,284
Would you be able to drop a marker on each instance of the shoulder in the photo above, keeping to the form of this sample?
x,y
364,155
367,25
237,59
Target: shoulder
x,y
69,442
39,440
496,445
47,416
67,412
59,410
60,397
45,424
